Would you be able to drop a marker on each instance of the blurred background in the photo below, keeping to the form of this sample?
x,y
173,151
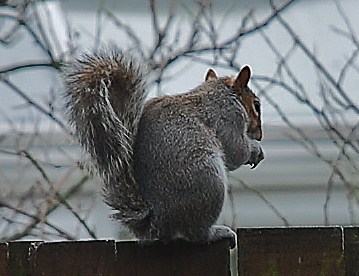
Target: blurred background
x,y
304,59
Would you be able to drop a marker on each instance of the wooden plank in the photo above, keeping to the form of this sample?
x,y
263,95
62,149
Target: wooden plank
x,y
74,258
290,251
132,258
175,258
351,251
3,259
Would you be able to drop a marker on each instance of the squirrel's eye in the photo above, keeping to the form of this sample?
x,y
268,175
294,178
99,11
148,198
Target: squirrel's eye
x,y
257,106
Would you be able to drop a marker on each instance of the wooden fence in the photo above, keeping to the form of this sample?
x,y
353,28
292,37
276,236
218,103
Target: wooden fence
x,y
261,251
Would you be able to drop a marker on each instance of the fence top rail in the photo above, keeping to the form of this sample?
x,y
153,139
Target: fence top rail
x,y
322,250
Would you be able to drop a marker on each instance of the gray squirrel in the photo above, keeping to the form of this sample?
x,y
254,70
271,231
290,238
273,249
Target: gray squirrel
x,y
164,161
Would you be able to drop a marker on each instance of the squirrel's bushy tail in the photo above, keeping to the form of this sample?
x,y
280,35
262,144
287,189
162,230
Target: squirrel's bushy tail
x,y
104,96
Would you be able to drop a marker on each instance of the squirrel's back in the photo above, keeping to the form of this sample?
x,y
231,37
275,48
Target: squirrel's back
x,y
183,147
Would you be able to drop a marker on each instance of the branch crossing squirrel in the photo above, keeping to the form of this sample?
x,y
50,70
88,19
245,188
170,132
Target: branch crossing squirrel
x,y
163,162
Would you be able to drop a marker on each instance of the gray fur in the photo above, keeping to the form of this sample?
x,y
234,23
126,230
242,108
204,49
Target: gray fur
x,y
162,162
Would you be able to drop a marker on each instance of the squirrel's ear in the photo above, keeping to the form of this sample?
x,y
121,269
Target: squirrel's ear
x,y
211,74
243,77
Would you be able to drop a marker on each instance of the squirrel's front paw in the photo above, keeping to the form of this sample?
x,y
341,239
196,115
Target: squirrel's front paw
x,y
219,232
257,155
